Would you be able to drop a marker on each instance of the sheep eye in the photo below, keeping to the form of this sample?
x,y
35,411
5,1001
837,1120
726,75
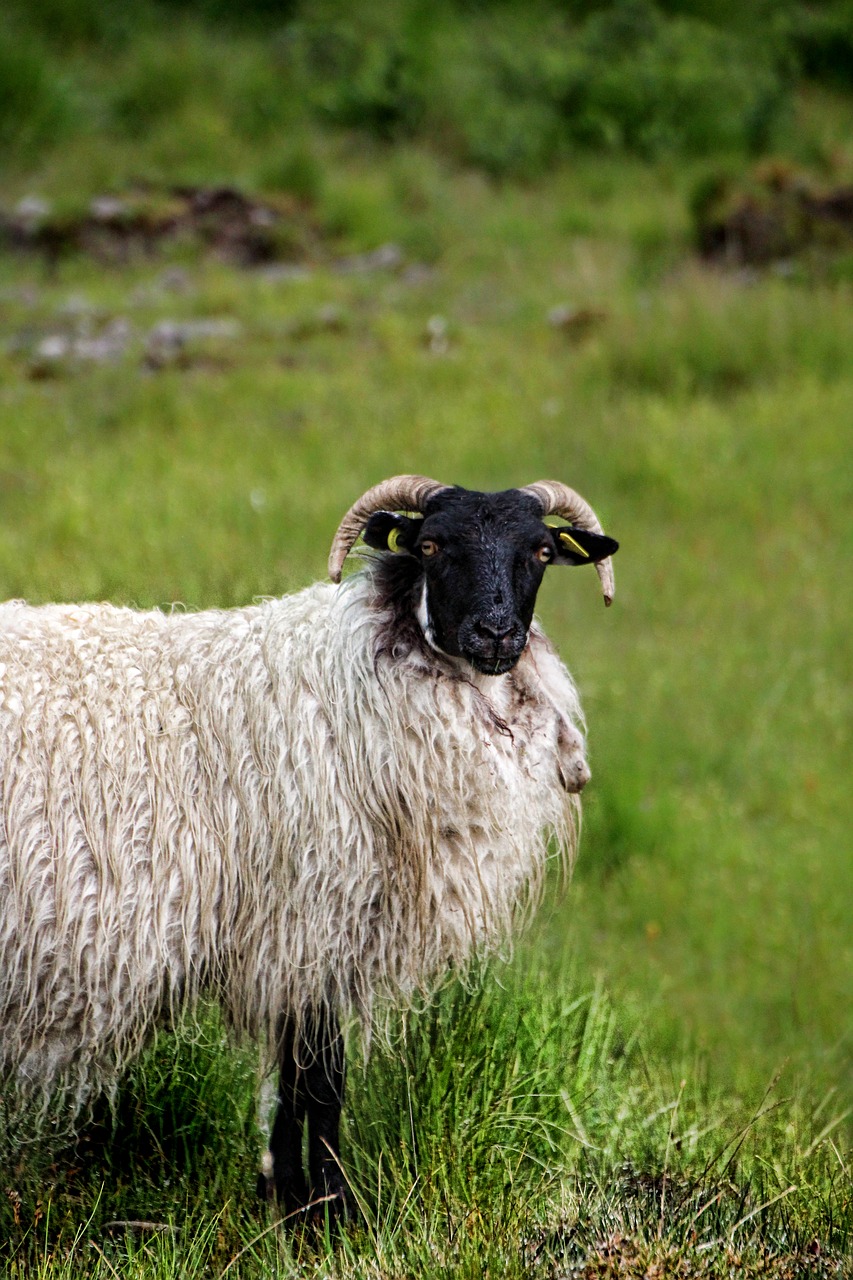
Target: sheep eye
x,y
544,554
428,547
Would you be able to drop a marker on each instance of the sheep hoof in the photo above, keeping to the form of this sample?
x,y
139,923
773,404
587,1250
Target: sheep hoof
x,y
336,1207
264,1188
299,1208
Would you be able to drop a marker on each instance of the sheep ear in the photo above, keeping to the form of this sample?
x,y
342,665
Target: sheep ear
x,y
387,531
580,546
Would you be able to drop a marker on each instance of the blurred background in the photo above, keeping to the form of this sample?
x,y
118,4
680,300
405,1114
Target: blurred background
x,y
256,257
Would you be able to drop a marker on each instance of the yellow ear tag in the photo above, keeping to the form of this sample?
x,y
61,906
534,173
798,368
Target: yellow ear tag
x,y
394,540
576,546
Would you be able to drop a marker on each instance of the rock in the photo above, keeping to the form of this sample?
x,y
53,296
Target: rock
x,y
387,257
54,347
108,209
575,322
284,272
168,341
50,358
175,280
417,273
25,294
771,215
58,353
76,306
437,336
165,345
220,220
31,212
110,344
326,319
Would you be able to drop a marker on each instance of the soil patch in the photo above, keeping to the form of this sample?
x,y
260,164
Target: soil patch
x,y
222,221
777,213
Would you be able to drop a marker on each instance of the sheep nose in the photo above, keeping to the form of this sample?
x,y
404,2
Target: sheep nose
x,y
495,631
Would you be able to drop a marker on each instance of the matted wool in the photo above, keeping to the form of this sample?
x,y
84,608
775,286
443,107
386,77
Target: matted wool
x,y
277,806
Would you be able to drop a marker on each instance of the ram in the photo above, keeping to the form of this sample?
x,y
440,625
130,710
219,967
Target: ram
x,y
296,808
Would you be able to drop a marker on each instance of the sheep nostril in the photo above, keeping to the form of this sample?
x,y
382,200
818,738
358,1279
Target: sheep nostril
x,y
492,631
488,632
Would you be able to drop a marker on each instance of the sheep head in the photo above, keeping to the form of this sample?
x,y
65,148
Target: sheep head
x,y
481,556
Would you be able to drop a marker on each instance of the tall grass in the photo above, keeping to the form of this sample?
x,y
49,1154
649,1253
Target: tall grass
x,y
509,1125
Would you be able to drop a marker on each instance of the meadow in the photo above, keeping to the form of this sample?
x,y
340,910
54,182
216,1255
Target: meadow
x,y
657,1082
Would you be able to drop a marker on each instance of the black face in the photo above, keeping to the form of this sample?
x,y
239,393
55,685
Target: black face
x,y
483,556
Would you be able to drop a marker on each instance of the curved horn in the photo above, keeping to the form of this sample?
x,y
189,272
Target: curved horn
x,y
400,493
559,500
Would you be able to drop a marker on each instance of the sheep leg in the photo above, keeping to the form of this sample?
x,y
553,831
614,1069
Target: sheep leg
x,y
285,1147
323,1084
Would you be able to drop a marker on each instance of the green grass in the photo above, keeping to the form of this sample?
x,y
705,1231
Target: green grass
x,y
509,88
507,1128
599,1106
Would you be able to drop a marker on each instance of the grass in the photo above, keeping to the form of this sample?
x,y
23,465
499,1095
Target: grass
x,y
658,1082
508,1127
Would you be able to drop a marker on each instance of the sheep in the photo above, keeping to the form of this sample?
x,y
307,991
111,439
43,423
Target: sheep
x,y
297,808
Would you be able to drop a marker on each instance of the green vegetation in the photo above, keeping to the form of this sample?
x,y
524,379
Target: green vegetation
x,y
509,1128
660,1076
507,87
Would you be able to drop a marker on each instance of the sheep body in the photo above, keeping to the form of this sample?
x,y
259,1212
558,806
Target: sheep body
x,y
287,805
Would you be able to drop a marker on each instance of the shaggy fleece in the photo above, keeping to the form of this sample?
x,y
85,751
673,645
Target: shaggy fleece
x,y
277,805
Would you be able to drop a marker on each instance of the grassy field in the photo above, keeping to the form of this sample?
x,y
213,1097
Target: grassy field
x,y
658,1082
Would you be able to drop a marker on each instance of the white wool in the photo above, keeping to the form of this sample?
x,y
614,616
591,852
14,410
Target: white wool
x,y
269,805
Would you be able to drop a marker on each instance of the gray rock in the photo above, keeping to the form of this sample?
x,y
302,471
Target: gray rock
x,y
110,344
387,257
437,336
31,212
56,346
168,341
107,208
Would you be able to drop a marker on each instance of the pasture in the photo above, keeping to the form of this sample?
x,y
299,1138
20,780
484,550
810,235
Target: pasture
x,y
658,1080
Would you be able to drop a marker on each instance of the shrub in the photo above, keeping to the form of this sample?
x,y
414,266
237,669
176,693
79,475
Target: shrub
x,y
651,85
503,86
362,69
155,82
64,23
508,87
821,39
36,107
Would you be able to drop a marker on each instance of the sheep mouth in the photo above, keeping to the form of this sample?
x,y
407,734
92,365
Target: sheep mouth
x,y
492,648
492,661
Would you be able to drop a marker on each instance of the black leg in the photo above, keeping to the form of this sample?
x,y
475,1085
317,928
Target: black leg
x,y
288,1178
324,1071
311,1088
